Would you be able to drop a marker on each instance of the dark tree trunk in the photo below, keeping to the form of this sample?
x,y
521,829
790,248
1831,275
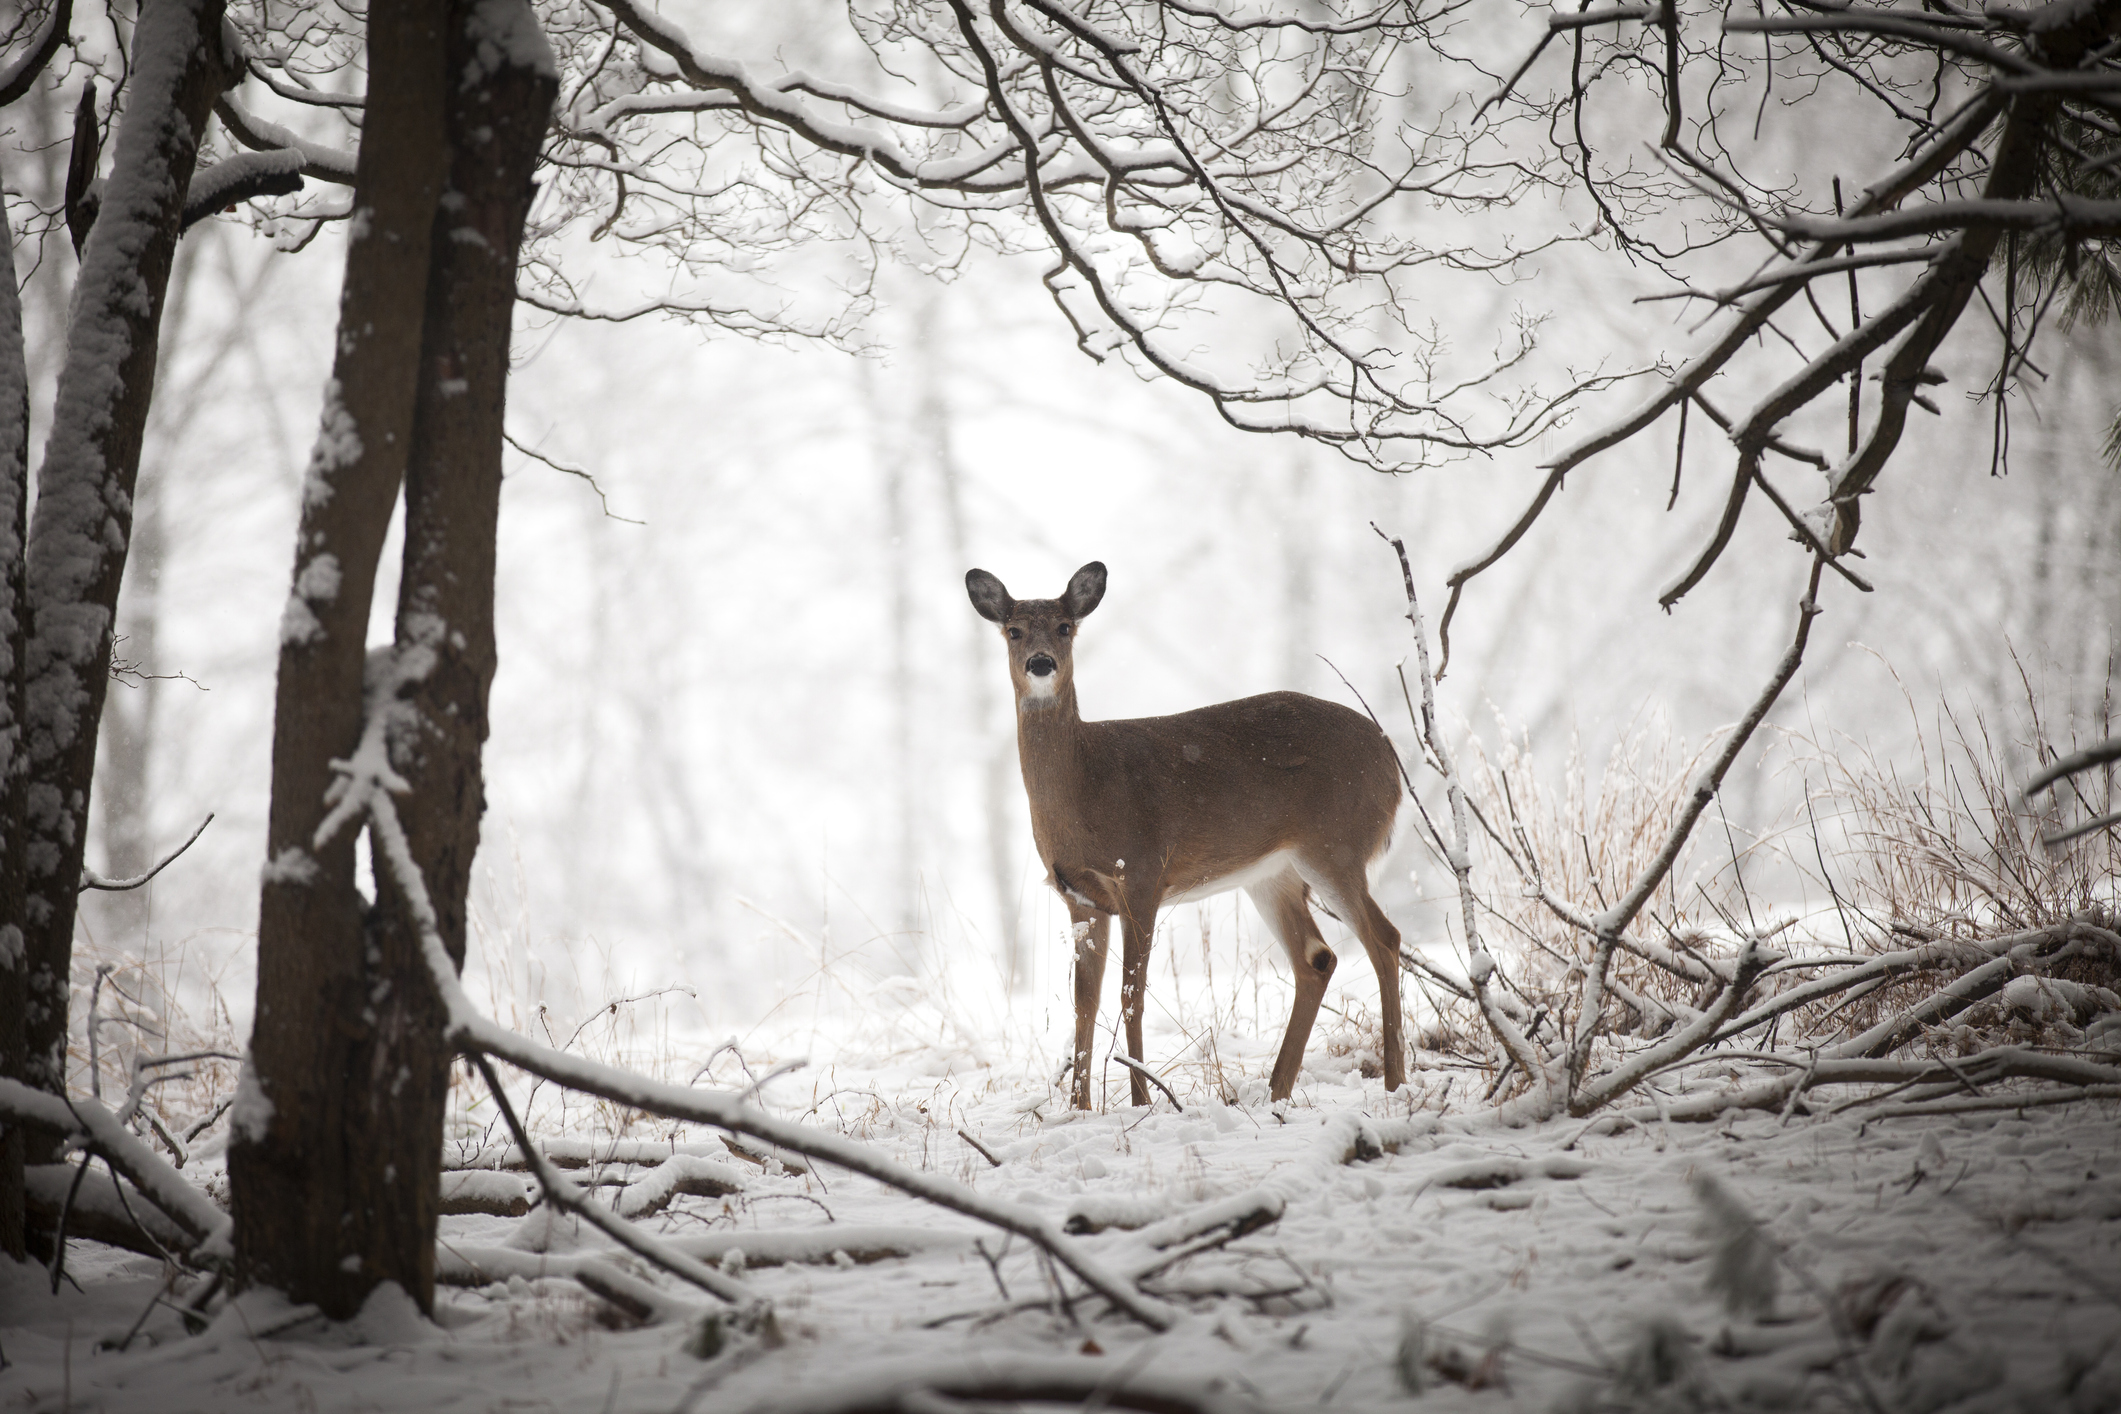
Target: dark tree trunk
x,y
442,664
83,518
312,1215
336,1168
14,499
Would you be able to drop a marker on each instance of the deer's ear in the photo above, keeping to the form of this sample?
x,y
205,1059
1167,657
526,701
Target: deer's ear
x,y
1085,590
988,596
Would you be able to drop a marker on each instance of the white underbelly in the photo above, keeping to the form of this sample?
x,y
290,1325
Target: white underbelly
x,y
1262,868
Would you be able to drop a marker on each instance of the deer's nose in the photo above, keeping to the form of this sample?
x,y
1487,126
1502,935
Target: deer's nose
x,y
1040,665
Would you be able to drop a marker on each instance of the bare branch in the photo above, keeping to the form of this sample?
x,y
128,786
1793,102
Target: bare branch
x,y
90,879
18,76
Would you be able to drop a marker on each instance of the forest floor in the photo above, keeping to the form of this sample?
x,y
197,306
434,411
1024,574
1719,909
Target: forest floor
x,y
1964,1263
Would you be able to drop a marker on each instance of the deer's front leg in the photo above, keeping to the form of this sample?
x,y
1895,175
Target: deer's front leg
x,y
1137,926
1093,939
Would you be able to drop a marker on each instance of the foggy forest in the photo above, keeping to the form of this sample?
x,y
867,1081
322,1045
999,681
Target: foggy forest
x,y
956,705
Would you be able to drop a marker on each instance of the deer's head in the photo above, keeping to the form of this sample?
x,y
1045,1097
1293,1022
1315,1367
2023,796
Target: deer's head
x,y
1040,632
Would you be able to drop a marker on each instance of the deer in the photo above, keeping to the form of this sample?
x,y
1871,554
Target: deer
x,y
1285,796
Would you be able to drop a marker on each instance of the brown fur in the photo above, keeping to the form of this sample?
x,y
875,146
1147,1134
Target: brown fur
x,y
1130,814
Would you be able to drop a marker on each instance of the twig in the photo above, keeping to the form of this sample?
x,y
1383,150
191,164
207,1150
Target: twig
x,y
192,1134
988,1154
2070,765
1145,1073
90,879
1479,965
561,1193
992,1259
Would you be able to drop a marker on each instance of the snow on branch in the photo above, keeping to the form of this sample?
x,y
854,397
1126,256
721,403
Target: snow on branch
x,y
277,172
16,78
95,1128
326,164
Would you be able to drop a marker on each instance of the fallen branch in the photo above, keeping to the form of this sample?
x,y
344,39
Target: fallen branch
x,y
833,1245
101,1209
2085,1079
89,1125
493,1195
1602,1090
482,1266
562,1194
681,1175
1072,1381
641,1300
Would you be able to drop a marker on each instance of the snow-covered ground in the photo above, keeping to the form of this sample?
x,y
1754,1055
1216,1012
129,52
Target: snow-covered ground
x,y
1971,1262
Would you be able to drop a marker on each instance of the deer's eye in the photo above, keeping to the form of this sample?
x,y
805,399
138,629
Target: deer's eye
x,y
1015,634
1063,630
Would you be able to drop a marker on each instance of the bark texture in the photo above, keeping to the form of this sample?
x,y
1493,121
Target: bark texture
x,y
441,668
83,517
14,499
314,1217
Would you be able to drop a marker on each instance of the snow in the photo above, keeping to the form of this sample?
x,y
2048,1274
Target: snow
x,y
508,34
338,438
251,1115
298,622
289,866
319,580
1957,1263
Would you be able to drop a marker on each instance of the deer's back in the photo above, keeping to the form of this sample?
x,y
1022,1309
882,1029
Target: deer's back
x,y
1210,791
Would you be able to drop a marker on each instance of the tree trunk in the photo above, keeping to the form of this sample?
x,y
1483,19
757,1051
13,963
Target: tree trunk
x,y
312,1215
83,519
14,498
336,1164
442,665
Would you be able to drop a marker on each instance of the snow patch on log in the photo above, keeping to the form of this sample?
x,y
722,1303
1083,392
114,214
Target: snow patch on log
x,y
679,1174
497,1195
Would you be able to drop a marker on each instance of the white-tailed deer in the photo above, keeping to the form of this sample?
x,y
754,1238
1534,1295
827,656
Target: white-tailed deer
x,y
1282,795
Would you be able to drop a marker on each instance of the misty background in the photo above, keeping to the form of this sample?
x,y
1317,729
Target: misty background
x,y
747,729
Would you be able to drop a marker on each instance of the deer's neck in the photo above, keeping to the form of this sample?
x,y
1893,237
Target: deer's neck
x,y
1049,744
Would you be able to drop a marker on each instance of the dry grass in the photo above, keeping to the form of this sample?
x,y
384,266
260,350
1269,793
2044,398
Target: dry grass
x,y
1877,851
1944,843
146,1005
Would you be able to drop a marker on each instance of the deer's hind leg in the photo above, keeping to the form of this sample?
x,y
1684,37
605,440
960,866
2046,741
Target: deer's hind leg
x,y
1347,897
1281,902
1093,940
